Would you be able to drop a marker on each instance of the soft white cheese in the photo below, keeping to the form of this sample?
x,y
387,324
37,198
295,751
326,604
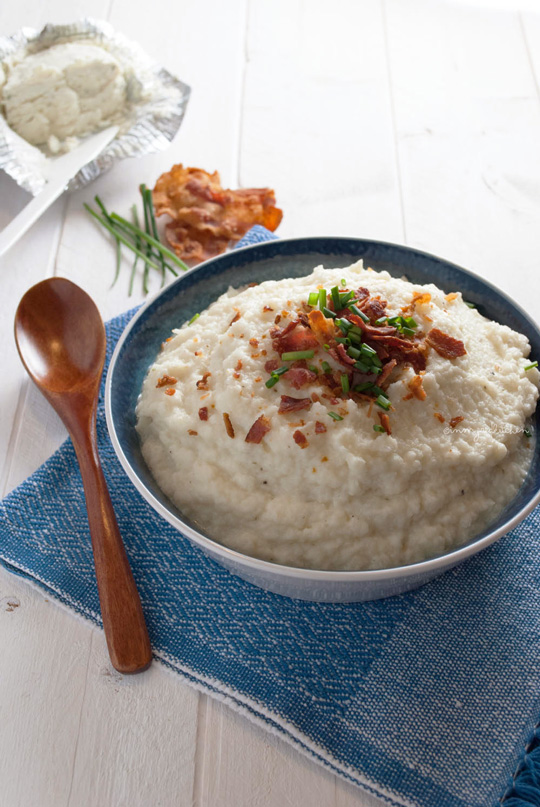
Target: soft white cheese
x,y
70,90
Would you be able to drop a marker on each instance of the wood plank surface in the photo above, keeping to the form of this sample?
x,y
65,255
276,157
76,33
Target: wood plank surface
x,y
413,122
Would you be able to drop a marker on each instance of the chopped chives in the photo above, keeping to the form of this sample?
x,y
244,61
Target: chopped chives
x,y
353,352
313,369
335,297
326,367
376,361
354,337
313,298
379,429
383,402
380,321
362,366
359,313
343,340
375,369
294,355
358,331
326,347
378,391
193,318
410,322
343,281
344,325
322,299
368,351
280,370
395,321
471,305
329,313
527,433
366,385
335,416
344,298
407,331
345,383
530,366
272,381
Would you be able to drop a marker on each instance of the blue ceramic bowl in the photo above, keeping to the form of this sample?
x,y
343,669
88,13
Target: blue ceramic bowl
x,y
275,260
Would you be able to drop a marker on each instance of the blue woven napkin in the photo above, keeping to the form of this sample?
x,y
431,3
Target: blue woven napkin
x,y
428,699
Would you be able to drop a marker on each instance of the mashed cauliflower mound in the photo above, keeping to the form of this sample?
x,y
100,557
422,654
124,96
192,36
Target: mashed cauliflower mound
x,y
350,497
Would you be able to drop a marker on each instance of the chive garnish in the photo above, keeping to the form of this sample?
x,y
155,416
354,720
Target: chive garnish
x,y
527,433
383,402
344,298
471,305
355,329
376,361
343,325
379,429
410,322
272,381
322,299
378,391
280,370
313,369
334,291
343,281
368,351
380,321
329,313
407,331
326,367
354,337
335,416
362,366
353,352
295,355
313,298
530,366
366,385
359,313
193,318
345,383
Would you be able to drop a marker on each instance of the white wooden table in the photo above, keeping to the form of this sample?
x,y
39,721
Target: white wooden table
x,y
415,121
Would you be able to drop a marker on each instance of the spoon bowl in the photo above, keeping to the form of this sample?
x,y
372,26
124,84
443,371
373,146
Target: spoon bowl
x,y
61,340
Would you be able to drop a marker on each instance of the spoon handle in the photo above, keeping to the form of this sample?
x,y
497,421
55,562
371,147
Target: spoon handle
x,y
121,610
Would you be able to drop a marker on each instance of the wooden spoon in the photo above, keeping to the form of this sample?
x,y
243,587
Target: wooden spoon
x,y
61,341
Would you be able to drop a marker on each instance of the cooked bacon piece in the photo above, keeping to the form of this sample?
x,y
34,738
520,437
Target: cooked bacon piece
x,y
228,424
322,327
170,391
374,309
300,439
261,427
202,382
438,416
416,388
278,333
290,404
340,354
206,218
203,413
374,331
445,345
254,342
454,422
320,428
387,369
385,422
300,376
271,365
166,381
421,298
235,318
192,432
301,338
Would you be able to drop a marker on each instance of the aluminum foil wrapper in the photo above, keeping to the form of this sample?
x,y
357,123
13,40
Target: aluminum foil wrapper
x,y
154,116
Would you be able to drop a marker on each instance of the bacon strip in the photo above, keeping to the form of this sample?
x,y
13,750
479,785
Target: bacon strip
x,y
300,376
454,422
301,338
166,381
261,427
290,404
202,382
445,345
320,428
416,388
323,328
300,438
203,413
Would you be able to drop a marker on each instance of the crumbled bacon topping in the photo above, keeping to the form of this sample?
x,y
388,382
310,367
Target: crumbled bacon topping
x,y
454,422
170,391
439,417
203,413
298,377
290,404
300,439
202,382
228,425
235,318
261,427
320,428
293,337
416,388
166,381
385,422
445,345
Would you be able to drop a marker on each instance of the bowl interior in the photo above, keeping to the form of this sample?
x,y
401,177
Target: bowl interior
x,y
275,260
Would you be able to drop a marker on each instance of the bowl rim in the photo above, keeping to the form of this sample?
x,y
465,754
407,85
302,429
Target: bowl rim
x,y
266,567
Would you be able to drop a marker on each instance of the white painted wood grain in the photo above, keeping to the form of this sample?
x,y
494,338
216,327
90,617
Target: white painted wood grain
x,y
416,122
